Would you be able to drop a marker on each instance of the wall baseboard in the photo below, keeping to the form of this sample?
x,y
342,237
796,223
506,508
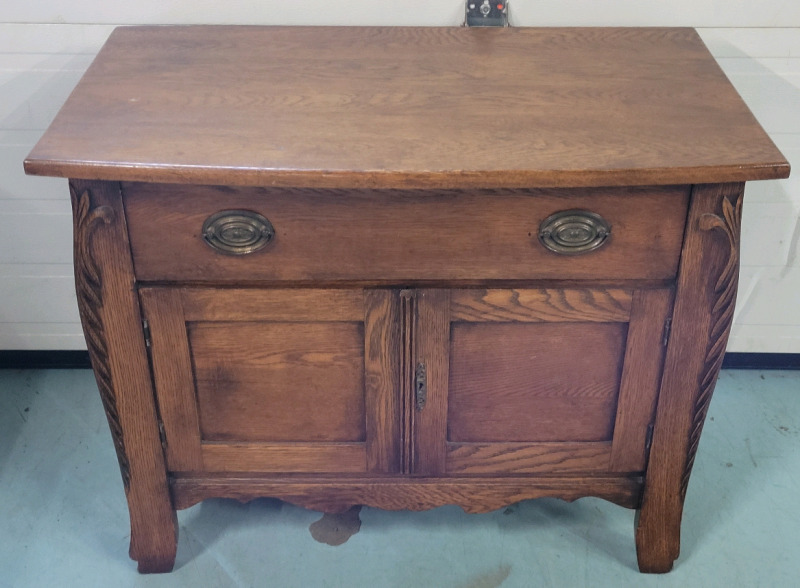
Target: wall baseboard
x,y
761,361
39,360
58,359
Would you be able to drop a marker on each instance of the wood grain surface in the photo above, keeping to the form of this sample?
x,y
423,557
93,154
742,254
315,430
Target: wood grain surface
x,y
542,305
534,382
432,350
382,376
318,458
704,302
393,236
406,107
277,381
113,327
527,458
174,378
641,378
397,493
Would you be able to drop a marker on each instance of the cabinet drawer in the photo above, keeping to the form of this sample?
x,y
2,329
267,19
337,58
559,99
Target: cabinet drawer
x,y
391,236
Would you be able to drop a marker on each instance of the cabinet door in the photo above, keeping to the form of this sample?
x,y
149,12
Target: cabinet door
x,y
276,380
535,381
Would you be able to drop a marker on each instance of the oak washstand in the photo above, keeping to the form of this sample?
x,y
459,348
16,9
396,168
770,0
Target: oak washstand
x,y
405,267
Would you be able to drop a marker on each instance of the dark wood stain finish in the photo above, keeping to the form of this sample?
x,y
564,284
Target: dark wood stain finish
x,y
704,303
545,107
521,382
89,289
474,495
399,235
113,325
405,341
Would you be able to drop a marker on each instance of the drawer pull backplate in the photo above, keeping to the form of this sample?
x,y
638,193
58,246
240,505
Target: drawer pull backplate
x,y
237,232
571,232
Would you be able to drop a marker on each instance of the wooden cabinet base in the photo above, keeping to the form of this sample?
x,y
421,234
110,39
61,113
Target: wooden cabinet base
x,y
657,546
403,493
409,282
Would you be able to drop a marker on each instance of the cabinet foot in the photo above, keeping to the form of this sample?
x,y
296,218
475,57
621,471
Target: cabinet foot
x,y
156,565
154,545
658,541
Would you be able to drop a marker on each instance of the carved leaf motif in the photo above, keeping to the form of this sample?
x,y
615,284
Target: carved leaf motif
x,y
721,318
89,288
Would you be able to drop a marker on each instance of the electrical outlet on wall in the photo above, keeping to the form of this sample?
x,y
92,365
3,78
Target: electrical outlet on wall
x,y
486,13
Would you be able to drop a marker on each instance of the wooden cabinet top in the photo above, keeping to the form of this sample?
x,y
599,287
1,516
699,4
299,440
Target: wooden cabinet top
x,y
406,107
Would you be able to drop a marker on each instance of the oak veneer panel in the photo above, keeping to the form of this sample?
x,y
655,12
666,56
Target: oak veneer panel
x,y
512,382
302,106
279,381
544,305
275,304
641,377
431,349
382,375
405,493
705,300
285,457
394,236
524,458
112,324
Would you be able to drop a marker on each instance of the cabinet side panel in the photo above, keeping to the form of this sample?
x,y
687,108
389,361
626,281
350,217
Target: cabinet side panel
x,y
704,303
113,326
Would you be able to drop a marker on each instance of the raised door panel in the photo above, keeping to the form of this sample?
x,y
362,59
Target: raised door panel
x,y
517,382
538,381
276,380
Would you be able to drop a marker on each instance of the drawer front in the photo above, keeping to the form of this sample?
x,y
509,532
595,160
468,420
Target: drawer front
x,y
391,236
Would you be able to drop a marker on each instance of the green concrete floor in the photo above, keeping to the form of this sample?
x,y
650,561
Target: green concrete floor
x,y
63,519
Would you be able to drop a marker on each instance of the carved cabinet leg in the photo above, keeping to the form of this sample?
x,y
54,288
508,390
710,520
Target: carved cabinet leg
x,y
113,329
704,303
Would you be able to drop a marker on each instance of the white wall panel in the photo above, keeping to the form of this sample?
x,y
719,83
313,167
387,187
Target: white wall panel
x,y
27,294
771,88
780,190
706,13
45,47
49,336
752,42
767,307
52,39
32,97
36,231
14,184
767,233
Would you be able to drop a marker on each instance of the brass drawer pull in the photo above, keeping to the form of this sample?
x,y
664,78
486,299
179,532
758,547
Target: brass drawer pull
x,y
237,232
571,232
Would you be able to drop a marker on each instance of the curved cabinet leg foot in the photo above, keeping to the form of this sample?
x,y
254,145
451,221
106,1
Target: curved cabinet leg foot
x,y
658,539
109,307
154,542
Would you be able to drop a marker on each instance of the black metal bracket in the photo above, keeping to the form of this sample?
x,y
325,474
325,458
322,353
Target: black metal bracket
x,y
486,13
